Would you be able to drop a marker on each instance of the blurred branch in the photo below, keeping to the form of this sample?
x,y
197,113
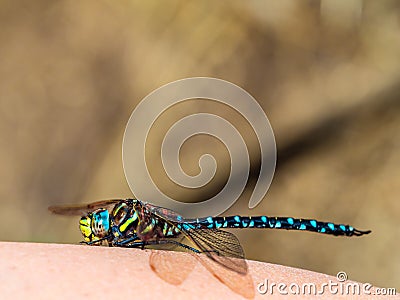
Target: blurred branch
x,y
368,110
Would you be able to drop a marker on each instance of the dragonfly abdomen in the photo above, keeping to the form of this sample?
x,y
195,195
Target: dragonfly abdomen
x,y
278,223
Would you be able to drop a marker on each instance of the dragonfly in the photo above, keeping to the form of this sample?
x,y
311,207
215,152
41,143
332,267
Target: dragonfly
x,y
131,223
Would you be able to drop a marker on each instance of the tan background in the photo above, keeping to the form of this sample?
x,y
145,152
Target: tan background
x,y
326,72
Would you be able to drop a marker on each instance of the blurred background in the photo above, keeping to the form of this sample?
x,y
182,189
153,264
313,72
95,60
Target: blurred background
x,y
327,74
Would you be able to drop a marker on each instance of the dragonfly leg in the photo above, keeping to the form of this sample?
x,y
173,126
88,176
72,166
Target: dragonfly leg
x,y
128,244
179,245
125,241
142,244
94,242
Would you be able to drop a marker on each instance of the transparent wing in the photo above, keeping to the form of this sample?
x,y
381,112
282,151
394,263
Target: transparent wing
x,y
220,246
230,270
220,253
241,284
82,209
172,267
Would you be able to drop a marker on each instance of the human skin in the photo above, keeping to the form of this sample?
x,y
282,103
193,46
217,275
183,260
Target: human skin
x,y
49,271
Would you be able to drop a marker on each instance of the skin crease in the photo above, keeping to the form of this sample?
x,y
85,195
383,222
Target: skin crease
x,y
46,271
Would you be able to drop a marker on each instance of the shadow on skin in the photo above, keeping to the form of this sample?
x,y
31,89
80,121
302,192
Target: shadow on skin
x,y
45,271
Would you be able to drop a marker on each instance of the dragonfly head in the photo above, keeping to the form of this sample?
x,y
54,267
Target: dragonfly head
x,y
95,225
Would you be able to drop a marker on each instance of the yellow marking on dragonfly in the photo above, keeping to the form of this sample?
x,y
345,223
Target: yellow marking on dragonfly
x,y
128,222
85,225
148,229
165,229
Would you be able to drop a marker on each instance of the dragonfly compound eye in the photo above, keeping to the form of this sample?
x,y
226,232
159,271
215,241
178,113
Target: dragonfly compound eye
x,y
100,223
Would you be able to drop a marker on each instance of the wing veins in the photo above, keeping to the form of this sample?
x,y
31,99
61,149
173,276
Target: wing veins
x,y
81,209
